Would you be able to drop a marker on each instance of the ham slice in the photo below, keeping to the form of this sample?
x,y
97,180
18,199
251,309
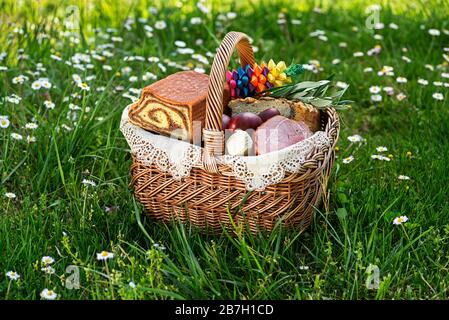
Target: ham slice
x,y
278,133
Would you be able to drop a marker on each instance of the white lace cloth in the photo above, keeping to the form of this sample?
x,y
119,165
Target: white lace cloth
x,y
178,157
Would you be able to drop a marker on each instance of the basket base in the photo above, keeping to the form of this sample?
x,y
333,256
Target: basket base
x,y
212,202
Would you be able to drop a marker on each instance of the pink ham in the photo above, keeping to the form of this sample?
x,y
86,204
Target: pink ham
x,y
278,133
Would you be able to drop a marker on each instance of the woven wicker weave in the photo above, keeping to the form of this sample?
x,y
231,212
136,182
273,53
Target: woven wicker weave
x,y
211,197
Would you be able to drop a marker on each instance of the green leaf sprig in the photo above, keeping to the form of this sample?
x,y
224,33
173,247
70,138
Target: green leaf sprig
x,y
321,94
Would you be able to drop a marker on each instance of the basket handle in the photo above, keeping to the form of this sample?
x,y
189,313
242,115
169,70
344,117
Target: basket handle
x,y
212,133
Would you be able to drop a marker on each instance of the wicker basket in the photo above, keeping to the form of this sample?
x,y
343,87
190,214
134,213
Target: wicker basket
x,y
211,197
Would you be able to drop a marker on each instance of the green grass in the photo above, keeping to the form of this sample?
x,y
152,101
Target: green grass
x,y
55,214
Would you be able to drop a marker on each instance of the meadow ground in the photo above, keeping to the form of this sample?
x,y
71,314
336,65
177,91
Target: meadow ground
x,y
64,165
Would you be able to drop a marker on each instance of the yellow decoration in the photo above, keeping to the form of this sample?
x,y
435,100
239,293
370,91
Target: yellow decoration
x,y
276,75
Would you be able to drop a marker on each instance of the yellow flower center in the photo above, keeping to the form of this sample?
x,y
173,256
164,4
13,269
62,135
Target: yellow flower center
x,y
104,253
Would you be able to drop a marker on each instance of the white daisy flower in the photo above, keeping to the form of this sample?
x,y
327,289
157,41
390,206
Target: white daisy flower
x,y
31,126
160,25
15,99
10,195
4,122
379,26
377,49
438,83
374,89
195,21
382,149
434,32
126,70
20,79
438,96
149,76
355,138
199,70
48,294
393,26
153,59
342,44
401,80
185,51
47,260
132,284
376,97
231,15
348,160
358,54
400,220
202,7
180,44
55,57
379,157
76,78
402,177
87,182
368,69
336,61
83,86
386,71
445,75
388,90
45,83
66,127
162,67
341,85
446,57
48,104
323,38
104,255
148,29
159,246
16,136
12,275
36,85
401,96
423,82
406,59
48,270
129,96
31,139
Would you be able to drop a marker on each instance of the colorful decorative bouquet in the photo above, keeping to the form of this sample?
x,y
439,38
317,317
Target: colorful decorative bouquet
x,y
276,80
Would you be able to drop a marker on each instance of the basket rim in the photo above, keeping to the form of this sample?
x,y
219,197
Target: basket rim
x,y
330,126
125,117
